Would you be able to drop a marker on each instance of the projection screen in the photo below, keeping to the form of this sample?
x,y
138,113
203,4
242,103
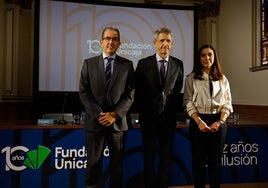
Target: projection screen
x,y
69,32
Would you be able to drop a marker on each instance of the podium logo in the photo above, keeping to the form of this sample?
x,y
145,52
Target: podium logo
x,y
19,157
35,158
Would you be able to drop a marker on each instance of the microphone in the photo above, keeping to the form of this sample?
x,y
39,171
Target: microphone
x,y
63,121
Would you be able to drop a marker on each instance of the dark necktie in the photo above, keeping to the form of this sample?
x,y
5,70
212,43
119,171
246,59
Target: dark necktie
x,y
108,69
162,73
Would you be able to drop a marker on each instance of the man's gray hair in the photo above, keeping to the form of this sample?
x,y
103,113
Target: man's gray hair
x,y
162,30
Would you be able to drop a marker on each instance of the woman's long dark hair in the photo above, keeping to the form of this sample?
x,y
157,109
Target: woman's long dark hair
x,y
215,72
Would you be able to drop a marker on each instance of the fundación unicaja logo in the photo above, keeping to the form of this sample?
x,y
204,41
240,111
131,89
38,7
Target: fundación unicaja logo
x,y
33,159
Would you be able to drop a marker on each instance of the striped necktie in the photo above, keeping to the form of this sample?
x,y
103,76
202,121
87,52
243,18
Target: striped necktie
x,y
108,69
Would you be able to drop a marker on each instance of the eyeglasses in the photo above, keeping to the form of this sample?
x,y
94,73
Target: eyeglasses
x,y
107,39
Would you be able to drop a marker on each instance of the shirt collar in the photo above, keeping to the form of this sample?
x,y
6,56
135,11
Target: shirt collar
x,y
104,56
158,58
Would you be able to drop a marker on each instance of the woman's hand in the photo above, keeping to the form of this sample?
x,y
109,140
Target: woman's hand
x,y
216,126
203,126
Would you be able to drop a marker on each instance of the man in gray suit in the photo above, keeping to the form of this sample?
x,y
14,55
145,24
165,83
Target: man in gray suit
x,y
106,91
159,80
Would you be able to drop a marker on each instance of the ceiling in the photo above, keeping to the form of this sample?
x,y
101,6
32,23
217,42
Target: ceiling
x,y
169,2
28,3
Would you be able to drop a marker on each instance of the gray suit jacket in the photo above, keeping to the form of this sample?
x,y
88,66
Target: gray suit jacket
x,y
97,97
150,96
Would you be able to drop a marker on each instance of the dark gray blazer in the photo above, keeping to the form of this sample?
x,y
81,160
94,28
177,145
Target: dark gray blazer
x,y
97,97
149,93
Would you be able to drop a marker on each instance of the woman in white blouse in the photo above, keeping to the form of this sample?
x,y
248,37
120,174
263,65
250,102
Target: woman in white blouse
x,y
207,100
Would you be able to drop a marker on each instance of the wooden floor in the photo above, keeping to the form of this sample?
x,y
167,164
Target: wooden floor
x,y
240,185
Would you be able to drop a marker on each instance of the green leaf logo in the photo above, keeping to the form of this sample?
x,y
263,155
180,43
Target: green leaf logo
x,y
35,158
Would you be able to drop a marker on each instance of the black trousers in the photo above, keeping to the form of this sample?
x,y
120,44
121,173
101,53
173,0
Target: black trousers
x,y
206,152
158,138
95,143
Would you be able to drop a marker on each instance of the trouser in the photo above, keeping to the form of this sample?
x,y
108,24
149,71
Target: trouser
x,y
95,143
159,132
206,152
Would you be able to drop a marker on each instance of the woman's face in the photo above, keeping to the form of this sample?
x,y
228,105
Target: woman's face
x,y
207,58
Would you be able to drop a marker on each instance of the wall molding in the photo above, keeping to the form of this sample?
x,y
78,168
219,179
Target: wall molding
x,y
25,4
252,112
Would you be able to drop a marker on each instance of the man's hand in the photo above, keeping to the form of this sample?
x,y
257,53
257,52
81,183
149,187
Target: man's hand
x,y
107,118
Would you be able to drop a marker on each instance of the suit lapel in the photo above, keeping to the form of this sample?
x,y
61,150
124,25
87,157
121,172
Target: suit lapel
x,y
170,72
116,70
155,71
100,71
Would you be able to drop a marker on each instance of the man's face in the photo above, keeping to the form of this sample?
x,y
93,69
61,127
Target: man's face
x,y
163,44
110,42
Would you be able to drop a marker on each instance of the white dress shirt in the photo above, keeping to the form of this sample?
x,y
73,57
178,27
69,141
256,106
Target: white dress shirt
x,y
106,60
158,59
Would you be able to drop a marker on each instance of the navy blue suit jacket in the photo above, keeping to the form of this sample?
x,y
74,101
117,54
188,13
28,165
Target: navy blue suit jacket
x,y
149,93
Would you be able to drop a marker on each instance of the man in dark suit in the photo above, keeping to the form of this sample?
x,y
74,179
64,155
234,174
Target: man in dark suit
x,y
106,90
159,80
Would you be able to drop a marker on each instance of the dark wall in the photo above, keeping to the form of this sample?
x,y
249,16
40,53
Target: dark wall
x,y
16,110
47,102
56,102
